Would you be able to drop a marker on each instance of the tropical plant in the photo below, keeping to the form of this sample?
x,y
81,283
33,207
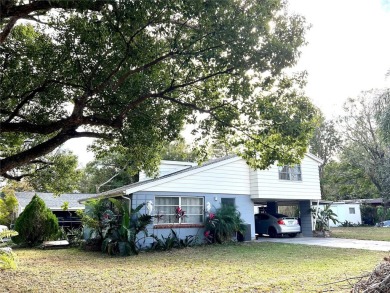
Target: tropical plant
x,y
7,234
322,218
173,241
7,259
165,243
92,216
123,231
35,224
224,224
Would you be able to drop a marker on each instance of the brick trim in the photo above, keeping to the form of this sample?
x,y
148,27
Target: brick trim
x,y
171,226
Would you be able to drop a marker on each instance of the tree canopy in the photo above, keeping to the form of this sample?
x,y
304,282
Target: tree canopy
x,y
367,148
363,166
132,73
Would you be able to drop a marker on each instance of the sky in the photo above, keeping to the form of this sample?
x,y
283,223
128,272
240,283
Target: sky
x,y
348,49
348,52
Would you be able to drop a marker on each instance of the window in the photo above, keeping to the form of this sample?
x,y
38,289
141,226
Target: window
x,y
292,173
228,201
352,210
166,210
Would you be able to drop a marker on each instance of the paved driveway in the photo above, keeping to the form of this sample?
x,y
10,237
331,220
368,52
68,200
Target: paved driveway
x,y
333,242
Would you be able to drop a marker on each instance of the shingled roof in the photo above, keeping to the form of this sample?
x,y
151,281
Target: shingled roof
x,y
53,202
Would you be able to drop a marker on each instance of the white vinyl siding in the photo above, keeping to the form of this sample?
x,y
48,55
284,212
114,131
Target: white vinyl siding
x,y
230,177
168,167
345,212
266,183
166,210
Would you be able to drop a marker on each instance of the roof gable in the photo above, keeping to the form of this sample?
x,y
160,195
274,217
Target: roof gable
x,y
138,186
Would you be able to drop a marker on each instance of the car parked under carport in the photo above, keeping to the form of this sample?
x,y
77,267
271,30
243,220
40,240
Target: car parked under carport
x,y
276,225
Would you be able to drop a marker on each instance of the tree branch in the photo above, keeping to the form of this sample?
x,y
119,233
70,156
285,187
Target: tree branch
x,y
25,100
27,156
7,29
8,9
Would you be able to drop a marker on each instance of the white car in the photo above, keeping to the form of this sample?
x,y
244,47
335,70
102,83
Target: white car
x,y
276,225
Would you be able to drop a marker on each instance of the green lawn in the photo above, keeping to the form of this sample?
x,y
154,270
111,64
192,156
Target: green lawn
x,y
364,233
247,267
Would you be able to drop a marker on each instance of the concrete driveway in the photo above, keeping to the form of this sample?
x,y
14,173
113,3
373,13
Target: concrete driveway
x,y
332,242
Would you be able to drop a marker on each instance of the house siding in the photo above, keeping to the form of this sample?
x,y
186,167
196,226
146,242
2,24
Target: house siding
x,y
229,178
342,211
243,203
266,183
168,167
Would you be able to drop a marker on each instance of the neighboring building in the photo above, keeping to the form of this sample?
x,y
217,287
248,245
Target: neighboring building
x,y
346,212
66,218
201,189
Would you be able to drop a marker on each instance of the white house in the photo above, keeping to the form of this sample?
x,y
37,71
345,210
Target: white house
x,y
345,211
199,189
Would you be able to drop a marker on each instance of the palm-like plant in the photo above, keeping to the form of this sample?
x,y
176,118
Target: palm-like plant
x,y
323,217
224,224
123,233
7,257
7,234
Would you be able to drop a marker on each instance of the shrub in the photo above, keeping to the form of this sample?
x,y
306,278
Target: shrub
x,y
35,224
347,224
369,214
92,217
123,226
223,225
8,206
173,241
7,259
383,213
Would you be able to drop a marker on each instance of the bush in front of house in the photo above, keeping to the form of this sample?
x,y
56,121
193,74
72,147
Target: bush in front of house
x,y
224,224
35,224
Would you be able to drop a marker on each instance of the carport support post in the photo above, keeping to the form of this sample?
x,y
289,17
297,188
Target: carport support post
x,y
306,219
272,207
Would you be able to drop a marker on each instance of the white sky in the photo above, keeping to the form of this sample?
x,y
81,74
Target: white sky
x,y
348,52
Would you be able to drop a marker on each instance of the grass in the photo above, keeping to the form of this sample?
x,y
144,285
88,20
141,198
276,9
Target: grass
x,y
247,267
363,233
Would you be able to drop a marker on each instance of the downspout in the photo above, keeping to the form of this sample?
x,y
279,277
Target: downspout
x,y
129,199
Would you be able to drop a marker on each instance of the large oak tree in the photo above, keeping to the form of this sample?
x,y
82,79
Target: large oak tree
x,y
132,73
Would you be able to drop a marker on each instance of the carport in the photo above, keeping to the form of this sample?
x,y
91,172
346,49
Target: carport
x,y
271,206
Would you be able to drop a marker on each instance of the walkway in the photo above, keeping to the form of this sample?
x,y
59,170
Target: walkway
x,y
333,242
